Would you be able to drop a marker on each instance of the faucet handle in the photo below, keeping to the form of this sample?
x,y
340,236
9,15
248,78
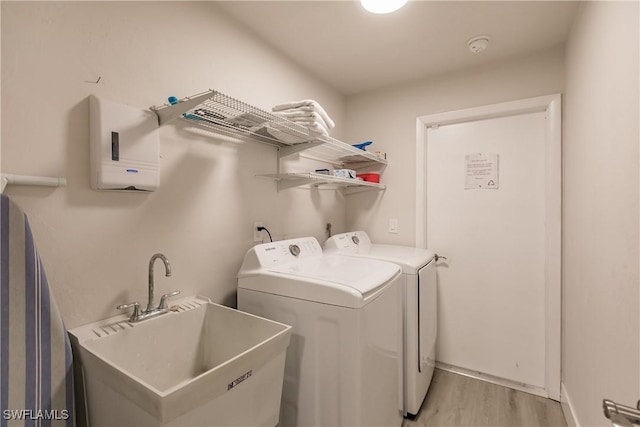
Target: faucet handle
x,y
136,310
163,300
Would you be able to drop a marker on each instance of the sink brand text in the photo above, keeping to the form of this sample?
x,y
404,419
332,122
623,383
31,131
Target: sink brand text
x,y
238,380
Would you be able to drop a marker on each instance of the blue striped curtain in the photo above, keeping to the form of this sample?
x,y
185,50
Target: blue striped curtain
x,y
36,377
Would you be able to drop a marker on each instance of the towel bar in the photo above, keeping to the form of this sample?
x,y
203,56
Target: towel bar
x,y
621,415
32,180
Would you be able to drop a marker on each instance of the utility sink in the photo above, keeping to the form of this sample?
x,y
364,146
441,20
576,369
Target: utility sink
x,y
201,364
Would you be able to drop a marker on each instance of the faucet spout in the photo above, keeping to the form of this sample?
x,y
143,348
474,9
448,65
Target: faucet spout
x,y
167,268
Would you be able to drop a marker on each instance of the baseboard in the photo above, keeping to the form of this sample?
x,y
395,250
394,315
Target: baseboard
x,y
537,391
567,407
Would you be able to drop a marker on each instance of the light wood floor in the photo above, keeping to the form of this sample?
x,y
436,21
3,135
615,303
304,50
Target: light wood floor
x,y
456,400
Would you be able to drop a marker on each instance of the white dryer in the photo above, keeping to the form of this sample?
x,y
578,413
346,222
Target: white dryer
x,y
420,306
344,362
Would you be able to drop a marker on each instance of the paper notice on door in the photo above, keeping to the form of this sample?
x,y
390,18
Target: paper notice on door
x,y
481,171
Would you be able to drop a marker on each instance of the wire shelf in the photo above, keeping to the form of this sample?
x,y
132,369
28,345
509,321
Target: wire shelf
x,y
220,113
351,185
336,152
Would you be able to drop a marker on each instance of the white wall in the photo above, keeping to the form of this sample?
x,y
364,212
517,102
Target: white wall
x,y
96,246
388,118
600,303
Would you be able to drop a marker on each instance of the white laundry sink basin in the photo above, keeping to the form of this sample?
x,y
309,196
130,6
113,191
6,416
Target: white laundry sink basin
x,y
203,364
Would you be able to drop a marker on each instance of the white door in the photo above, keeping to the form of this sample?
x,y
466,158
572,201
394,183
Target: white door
x,y
488,204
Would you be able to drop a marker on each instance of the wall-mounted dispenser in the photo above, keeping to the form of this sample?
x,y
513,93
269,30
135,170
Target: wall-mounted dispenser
x,y
124,147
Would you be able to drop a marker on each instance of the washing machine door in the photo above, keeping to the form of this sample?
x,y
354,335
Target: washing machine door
x,y
427,316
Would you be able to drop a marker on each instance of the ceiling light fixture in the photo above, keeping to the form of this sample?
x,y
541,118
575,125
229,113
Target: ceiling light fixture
x,y
382,6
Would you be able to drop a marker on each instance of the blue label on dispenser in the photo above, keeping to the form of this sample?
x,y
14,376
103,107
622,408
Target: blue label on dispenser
x,y
132,170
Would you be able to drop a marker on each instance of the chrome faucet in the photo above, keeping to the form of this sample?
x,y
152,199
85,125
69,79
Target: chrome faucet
x,y
167,268
162,308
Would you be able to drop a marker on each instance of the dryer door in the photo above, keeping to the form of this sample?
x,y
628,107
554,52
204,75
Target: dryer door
x,y
427,316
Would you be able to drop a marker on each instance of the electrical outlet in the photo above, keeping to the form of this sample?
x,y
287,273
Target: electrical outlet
x,y
257,235
393,225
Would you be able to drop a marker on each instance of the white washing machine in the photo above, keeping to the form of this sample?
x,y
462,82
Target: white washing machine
x,y
420,307
344,361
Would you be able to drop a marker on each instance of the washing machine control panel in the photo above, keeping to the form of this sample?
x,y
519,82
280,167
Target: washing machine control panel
x,y
295,250
274,253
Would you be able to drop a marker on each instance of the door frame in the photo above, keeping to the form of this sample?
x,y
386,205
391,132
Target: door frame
x,y
552,105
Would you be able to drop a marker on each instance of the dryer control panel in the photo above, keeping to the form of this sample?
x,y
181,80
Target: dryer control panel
x,y
346,241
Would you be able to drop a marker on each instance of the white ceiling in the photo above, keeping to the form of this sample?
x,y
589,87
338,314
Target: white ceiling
x,y
355,51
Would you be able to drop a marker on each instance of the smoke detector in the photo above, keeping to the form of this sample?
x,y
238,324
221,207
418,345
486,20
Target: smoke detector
x,y
478,44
